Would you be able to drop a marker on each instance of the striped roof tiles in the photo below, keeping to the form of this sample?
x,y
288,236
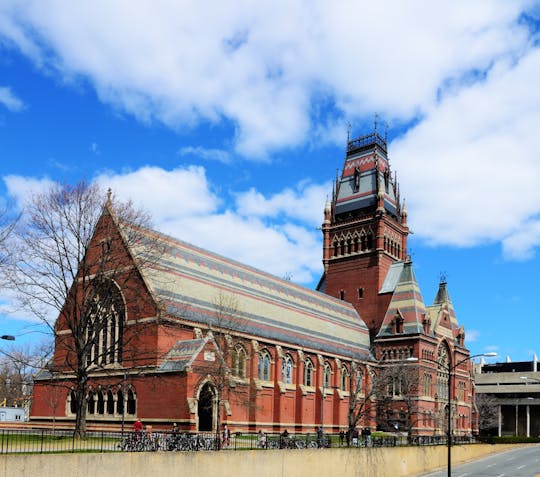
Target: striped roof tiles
x,y
188,281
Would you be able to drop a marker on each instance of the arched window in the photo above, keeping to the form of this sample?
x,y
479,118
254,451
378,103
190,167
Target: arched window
x,y
427,384
287,369
358,381
239,362
100,403
327,373
344,379
110,402
131,402
91,403
105,325
120,403
308,372
443,364
72,403
264,366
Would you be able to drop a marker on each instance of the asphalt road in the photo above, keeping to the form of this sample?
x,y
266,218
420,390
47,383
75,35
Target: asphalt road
x,y
520,462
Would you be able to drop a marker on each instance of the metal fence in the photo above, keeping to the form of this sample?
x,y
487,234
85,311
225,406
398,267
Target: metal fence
x,y
57,441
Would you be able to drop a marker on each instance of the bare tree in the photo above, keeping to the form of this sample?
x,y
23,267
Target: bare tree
x,y
487,411
361,395
397,404
79,258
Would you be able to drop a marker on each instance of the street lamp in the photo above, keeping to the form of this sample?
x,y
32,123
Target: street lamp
x,y
449,416
8,337
530,379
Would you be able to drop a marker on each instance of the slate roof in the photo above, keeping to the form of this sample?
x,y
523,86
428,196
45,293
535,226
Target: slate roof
x,y
406,302
187,280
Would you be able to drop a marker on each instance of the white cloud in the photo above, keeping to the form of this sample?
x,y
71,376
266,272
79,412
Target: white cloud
x,y
471,167
183,205
10,100
472,335
266,65
20,188
206,154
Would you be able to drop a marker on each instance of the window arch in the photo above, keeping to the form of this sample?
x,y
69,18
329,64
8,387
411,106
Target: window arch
x,y
110,402
308,372
344,378
264,366
327,374
105,324
100,402
91,403
131,407
443,365
72,403
287,365
239,358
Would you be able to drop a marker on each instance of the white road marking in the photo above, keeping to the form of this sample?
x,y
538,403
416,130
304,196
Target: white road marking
x,y
521,466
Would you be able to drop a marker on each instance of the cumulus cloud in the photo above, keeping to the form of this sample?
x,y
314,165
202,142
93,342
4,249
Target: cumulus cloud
x,y
281,73
9,100
471,167
265,66
183,204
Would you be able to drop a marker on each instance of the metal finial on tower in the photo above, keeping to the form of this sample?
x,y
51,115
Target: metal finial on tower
x,y
443,277
348,132
386,132
109,196
375,121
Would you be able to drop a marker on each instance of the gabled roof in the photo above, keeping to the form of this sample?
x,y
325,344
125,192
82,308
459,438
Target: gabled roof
x,y
406,304
184,353
187,280
443,315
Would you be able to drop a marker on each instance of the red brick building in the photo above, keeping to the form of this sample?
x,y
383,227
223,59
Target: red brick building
x,y
208,332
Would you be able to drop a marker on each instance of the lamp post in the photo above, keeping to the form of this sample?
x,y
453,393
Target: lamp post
x,y
449,391
8,337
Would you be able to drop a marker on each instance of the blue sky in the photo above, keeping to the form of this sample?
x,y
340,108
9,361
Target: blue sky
x,y
228,121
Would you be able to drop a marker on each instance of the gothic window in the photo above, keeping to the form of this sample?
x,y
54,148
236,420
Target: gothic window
x,y
308,372
335,245
72,403
131,402
91,403
120,403
239,358
369,243
342,294
100,403
327,373
263,365
363,242
443,363
356,244
345,377
358,381
105,324
356,180
360,293
110,402
287,369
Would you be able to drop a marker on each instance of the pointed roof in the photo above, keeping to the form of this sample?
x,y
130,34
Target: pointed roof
x,y
406,303
442,313
183,353
366,174
186,281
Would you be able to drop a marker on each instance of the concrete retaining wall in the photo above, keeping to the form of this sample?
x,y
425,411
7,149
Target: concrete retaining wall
x,y
377,462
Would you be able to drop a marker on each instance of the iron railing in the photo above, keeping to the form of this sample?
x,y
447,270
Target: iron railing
x,y
58,441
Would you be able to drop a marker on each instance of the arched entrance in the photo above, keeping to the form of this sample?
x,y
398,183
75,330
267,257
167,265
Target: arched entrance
x,y
205,408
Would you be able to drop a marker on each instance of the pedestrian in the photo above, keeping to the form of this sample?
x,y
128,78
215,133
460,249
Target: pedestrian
x,y
261,440
355,437
137,428
284,438
341,437
226,436
320,436
368,437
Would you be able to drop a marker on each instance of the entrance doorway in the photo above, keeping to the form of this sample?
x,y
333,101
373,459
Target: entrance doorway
x,y
205,408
